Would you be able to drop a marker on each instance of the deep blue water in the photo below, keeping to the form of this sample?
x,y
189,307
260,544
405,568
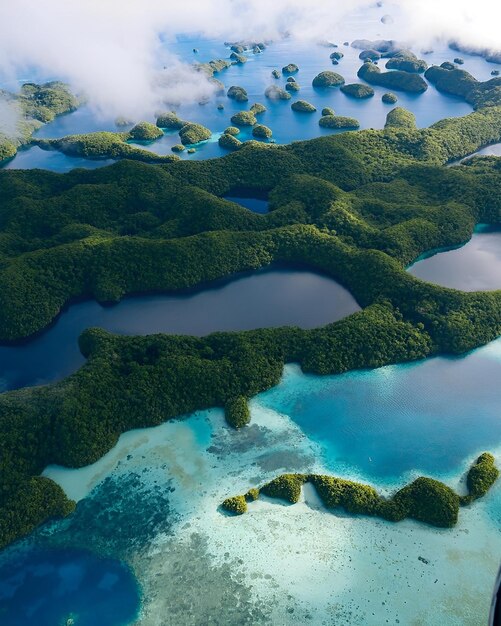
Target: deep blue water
x,y
48,587
427,416
257,205
265,299
475,266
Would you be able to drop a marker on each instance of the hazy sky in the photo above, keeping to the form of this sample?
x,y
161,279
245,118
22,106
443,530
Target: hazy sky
x,y
111,50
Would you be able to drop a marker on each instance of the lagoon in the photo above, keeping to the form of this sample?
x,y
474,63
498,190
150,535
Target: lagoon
x,y
268,298
52,587
474,266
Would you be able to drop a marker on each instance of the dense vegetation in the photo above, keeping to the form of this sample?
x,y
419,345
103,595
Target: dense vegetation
x,y
425,499
358,206
33,106
238,93
357,90
102,145
462,84
328,79
302,106
396,79
406,61
338,121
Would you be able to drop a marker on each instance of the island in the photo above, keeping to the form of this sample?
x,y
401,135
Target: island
x,y
396,79
358,206
424,499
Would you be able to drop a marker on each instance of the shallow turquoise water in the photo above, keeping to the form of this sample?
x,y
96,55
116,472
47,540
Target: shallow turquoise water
x,y
426,416
46,587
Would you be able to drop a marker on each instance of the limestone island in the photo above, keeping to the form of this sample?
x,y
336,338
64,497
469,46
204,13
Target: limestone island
x,y
406,61
389,98
338,122
237,93
327,79
262,132
192,133
244,118
301,106
228,141
396,79
277,93
358,90
424,500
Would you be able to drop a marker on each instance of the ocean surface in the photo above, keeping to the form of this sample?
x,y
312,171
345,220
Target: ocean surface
x,y
148,544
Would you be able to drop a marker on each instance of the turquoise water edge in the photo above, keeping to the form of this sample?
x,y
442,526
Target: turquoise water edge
x,y
148,544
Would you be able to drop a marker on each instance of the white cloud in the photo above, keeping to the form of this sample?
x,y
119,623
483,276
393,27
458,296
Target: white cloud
x,y
111,49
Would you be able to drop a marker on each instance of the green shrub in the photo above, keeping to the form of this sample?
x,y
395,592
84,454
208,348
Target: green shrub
x,y
400,118
425,499
178,148
481,476
286,487
236,505
252,495
257,108
232,130
429,501
406,61
237,412
389,98
229,142
462,84
369,55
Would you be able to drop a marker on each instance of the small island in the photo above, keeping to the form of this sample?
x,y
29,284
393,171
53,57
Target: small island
x,y
277,93
425,499
339,122
396,79
237,93
358,90
244,118
327,79
301,106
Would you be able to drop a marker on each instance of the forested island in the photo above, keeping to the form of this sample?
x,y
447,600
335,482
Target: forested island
x,y
425,500
359,206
